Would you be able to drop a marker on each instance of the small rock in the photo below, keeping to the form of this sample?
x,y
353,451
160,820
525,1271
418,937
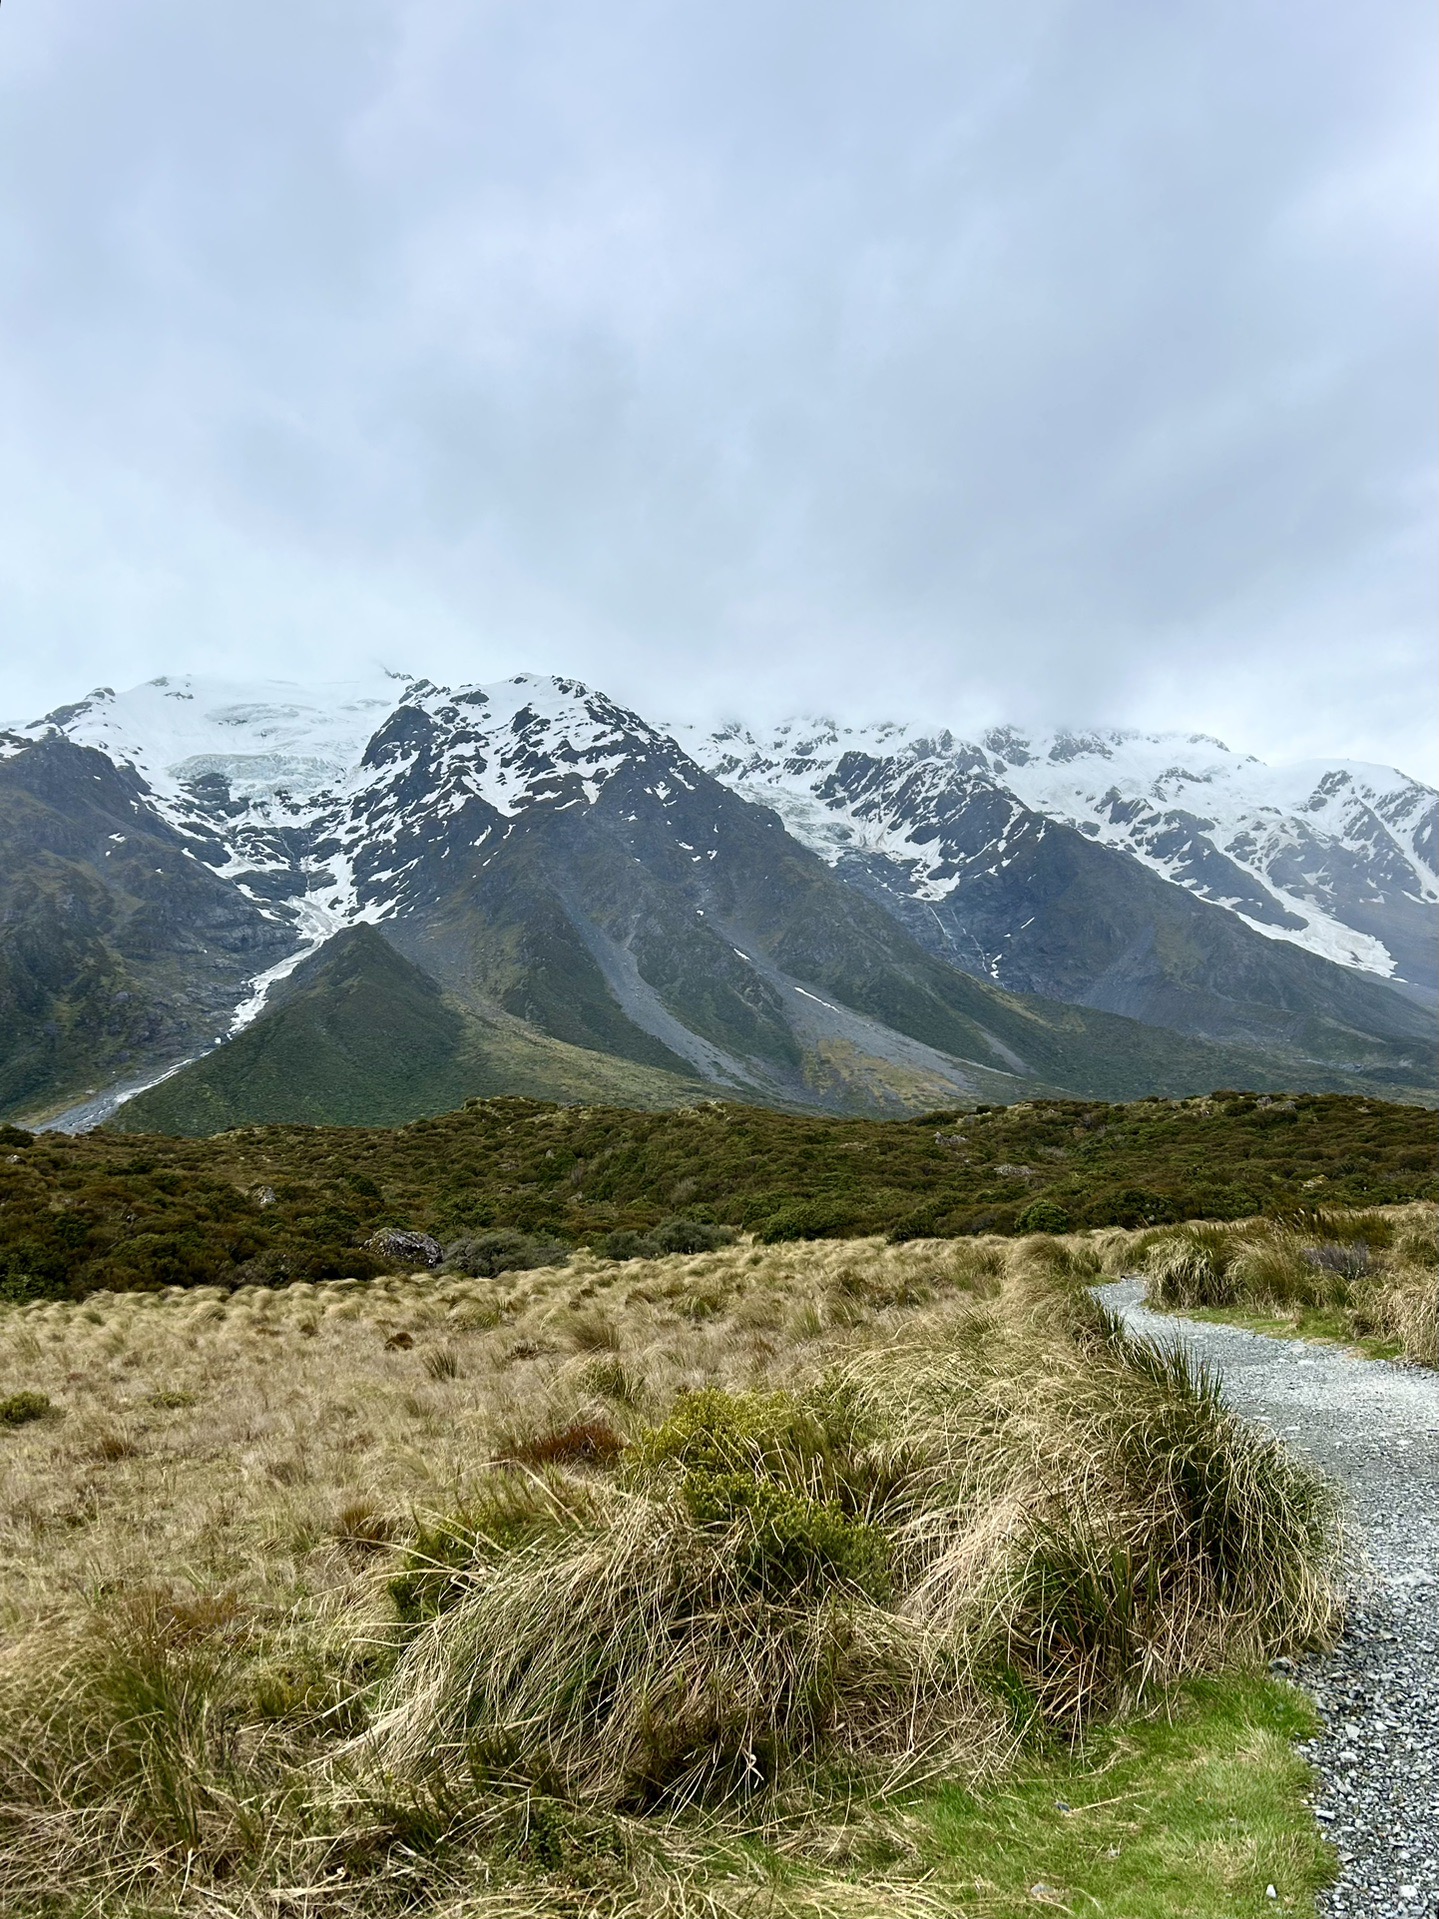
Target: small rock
x,y
393,1243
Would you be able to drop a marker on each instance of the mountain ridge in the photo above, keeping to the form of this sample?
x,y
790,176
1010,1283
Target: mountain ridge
x,y
1226,827
551,860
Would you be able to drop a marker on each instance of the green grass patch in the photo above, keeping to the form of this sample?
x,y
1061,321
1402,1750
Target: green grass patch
x,y
1322,1325
1189,1813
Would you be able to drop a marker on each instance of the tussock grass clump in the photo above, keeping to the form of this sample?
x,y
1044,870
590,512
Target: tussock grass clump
x,y
1398,1298
1192,1267
679,1559
1372,1274
934,1545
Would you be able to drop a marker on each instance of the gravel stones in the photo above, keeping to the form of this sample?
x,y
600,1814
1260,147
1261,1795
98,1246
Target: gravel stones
x,y
1375,1428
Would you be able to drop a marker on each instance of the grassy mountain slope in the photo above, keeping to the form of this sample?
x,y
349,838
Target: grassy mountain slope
x,y
265,1203
359,1035
117,947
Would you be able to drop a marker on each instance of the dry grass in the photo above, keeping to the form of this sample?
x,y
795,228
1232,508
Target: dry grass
x,y
1373,1274
688,1550
215,1439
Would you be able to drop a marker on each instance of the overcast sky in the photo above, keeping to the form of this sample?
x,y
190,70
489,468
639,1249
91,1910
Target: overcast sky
x,y
943,358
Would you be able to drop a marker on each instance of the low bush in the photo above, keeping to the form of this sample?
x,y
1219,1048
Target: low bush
x,y
273,1205
691,1236
625,1245
1044,1216
18,1409
486,1255
670,1236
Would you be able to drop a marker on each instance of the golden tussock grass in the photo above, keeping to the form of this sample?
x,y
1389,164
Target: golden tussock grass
x,y
550,1593
1374,1273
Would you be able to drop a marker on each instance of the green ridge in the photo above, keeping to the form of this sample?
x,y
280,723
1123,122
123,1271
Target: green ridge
x,y
275,1202
359,1035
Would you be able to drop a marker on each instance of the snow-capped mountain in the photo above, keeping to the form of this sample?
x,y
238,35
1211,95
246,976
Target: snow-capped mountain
x,y
319,803
571,876
1336,857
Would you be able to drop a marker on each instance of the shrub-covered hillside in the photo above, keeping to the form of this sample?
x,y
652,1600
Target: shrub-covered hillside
x,y
294,1202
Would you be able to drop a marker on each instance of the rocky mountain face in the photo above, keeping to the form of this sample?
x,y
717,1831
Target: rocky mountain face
x,y
120,948
1336,858
586,902
1017,895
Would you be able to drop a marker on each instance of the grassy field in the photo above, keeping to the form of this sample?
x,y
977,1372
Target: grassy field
x,y
803,1578
275,1203
1369,1279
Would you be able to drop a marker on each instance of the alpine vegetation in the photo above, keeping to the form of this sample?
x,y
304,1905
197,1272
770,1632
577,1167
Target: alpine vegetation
x,y
1368,1275
627,1586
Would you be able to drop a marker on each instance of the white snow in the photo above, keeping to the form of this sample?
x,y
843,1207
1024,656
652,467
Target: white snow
x,y
1137,792
243,768
278,743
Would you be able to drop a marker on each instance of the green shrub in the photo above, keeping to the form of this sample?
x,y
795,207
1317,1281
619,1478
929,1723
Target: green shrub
x,y
712,1431
625,1245
691,1236
812,1219
23,1289
486,1255
277,1204
784,1543
1044,1216
1134,1207
20,1408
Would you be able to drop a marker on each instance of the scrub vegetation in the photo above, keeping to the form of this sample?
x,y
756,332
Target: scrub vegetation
x,y
267,1205
833,1577
1370,1276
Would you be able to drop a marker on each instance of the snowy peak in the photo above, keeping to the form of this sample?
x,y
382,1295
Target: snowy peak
x,y
1339,857
323,803
276,744
521,743
450,768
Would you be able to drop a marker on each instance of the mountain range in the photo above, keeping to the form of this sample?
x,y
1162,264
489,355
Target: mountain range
x,y
227,903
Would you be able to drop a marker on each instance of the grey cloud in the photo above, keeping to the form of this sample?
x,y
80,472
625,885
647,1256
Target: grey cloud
x,y
1053,361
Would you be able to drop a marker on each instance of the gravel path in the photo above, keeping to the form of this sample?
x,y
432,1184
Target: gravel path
x,y
1375,1428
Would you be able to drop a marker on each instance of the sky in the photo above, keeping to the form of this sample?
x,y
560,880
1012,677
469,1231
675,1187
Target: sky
x,y
1044,362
